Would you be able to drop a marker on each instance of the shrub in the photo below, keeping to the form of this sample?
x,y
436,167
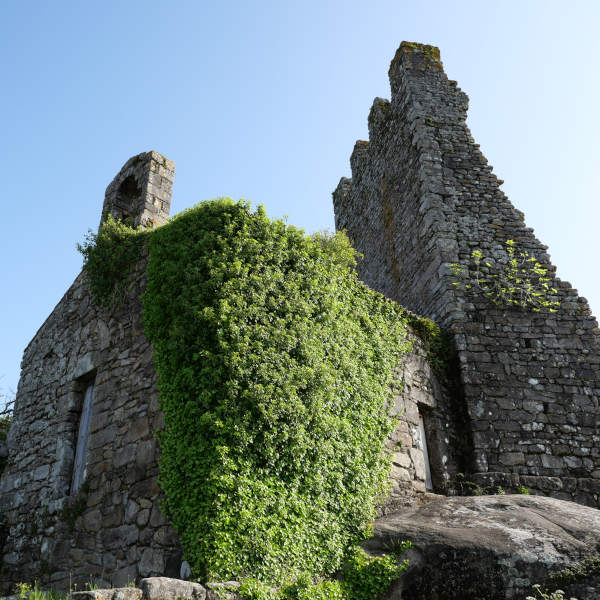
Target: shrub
x,y
108,257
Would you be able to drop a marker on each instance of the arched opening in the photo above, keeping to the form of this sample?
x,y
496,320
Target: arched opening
x,y
126,206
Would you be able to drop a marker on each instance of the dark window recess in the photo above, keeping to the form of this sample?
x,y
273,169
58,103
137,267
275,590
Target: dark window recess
x,y
423,447
81,452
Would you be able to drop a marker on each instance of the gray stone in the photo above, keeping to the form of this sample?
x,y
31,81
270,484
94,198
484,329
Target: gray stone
x,y
152,562
185,571
164,588
492,547
143,517
125,593
92,520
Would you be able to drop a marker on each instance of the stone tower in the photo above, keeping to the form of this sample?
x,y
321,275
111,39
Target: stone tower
x,y
141,192
422,197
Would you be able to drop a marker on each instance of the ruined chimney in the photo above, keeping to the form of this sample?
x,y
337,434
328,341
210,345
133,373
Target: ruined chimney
x,y
140,194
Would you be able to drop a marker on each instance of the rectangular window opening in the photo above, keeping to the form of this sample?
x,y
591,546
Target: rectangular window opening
x,y
423,443
81,452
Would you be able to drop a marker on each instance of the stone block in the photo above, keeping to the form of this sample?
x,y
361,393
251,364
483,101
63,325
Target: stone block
x,y
419,462
152,562
146,452
165,536
512,458
165,588
92,520
400,474
157,518
125,456
131,511
124,576
401,459
122,536
552,462
143,517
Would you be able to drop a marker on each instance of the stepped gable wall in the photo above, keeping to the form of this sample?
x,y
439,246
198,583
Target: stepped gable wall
x,y
423,197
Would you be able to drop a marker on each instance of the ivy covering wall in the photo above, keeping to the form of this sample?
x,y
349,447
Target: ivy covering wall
x,y
274,365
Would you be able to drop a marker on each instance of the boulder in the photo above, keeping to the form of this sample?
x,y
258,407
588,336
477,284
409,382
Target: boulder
x,y
492,547
165,588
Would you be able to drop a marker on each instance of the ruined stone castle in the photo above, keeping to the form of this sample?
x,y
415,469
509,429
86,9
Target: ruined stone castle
x,y
519,405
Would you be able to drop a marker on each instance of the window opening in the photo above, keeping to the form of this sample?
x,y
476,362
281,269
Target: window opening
x,y
80,466
423,445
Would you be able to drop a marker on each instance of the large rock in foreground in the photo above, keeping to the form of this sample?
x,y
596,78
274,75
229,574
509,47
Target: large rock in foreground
x,y
489,547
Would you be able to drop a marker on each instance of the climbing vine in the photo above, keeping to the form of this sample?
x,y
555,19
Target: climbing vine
x,y
522,281
274,364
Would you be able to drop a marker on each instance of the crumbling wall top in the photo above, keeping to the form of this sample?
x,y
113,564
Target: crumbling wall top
x,y
141,192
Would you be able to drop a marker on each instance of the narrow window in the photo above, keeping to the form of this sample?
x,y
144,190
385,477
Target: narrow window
x,y
423,444
80,466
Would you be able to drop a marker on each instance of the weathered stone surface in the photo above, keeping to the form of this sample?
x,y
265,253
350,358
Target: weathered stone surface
x,y
152,562
141,192
421,198
126,593
185,571
492,547
50,530
165,588
420,394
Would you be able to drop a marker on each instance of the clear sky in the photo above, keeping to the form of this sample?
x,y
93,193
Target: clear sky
x,y
264,100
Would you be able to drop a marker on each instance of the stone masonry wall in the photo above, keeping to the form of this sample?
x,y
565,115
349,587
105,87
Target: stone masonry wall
x,y
421,197
114,531
420,391
111,529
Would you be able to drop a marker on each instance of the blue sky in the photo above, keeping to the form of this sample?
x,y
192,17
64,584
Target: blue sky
x,y
264,100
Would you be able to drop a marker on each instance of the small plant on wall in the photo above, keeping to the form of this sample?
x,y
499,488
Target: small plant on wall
x,y
522,282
